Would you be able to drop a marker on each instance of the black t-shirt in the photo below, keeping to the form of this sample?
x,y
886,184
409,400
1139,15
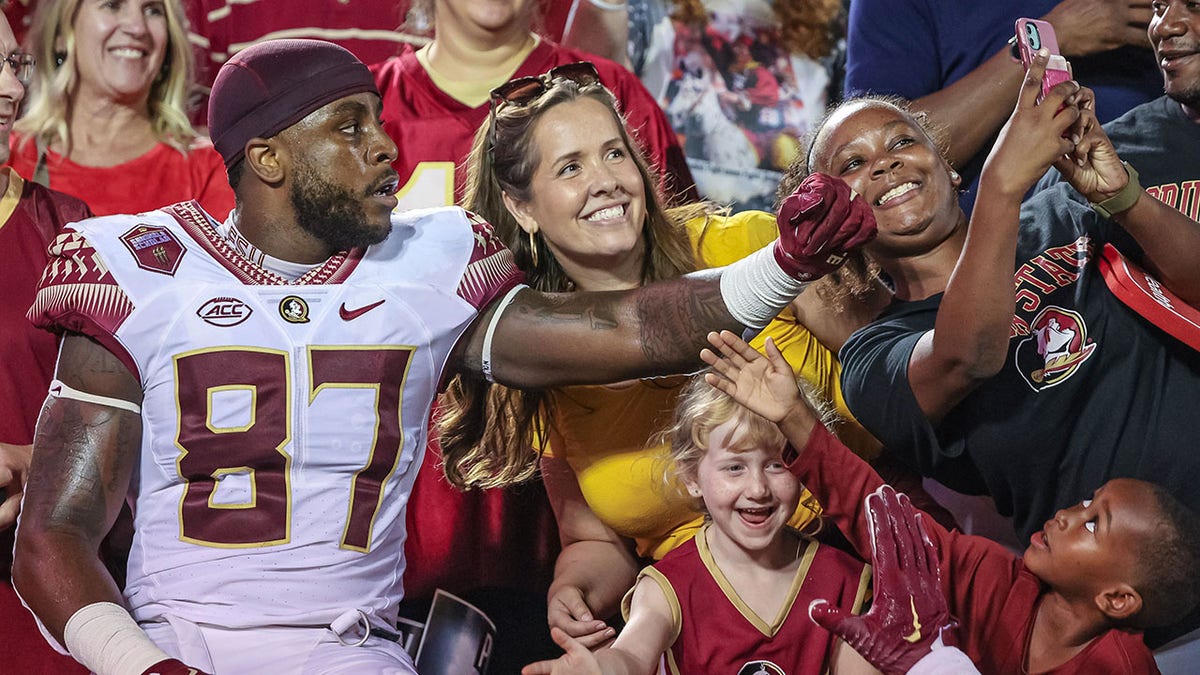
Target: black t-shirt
x,y
1090,390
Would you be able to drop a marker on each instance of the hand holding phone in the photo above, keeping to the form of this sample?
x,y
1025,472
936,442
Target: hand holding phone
x,y
1033,35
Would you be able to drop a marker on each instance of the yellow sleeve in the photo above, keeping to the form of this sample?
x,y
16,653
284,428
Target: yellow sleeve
x,y
719,240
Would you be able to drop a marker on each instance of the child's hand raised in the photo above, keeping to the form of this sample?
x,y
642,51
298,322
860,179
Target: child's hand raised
x,y
578,659
766,386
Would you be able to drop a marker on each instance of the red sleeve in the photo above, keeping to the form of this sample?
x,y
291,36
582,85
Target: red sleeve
x,y
491,272
841,481
78,294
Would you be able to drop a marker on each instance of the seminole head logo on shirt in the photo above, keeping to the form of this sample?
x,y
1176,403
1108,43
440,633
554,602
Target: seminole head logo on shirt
x,y
1055,348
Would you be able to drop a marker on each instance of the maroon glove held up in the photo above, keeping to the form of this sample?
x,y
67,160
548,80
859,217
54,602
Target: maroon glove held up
x,y
819,223
909,611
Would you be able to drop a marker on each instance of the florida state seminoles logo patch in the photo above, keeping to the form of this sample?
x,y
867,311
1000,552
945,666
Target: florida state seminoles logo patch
x,y
760,668
1057,345
154,248
293,309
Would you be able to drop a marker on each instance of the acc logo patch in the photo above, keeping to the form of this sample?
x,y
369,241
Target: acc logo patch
x,y
224,312
154,248
293,309
760,668
1057,345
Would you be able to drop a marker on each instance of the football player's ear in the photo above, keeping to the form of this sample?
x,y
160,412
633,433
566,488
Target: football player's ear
x,y
267,158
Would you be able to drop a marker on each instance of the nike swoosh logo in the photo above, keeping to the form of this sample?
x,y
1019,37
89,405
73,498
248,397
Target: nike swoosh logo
x,y
916,634
351,314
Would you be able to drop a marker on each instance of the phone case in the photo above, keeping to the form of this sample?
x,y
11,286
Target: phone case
x,y
1032,35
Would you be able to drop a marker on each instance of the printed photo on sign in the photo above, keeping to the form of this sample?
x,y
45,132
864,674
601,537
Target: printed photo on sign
x,y
741,101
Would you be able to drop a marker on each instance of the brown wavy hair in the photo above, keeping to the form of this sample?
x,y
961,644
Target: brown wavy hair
x,y
487,430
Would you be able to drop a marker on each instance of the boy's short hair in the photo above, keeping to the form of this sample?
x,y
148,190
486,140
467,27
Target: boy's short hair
x,y
1169,566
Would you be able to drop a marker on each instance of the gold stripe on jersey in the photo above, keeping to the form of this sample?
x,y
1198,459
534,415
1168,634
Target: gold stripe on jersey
x,y
806,555
12,196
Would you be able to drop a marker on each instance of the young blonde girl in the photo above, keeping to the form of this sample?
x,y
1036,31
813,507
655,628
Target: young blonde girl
x,y
734,598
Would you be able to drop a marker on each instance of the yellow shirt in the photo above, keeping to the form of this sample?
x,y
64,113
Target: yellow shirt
x,y
608,434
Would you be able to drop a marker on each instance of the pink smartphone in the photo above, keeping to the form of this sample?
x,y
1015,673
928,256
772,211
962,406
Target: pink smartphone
x,y
1032,35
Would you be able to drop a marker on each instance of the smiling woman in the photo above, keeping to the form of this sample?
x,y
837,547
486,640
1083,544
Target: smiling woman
x,y
999,364
107,121
556,170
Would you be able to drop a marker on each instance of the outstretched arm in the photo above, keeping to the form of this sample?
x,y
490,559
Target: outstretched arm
x,y
972,109
546,340
84,455
649,632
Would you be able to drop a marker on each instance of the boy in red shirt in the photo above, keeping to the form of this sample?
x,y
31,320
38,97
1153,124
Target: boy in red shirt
x,y
1100,571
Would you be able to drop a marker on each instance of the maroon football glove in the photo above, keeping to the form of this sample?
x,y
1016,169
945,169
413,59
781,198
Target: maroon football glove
x,y
819,223
909,611
172,667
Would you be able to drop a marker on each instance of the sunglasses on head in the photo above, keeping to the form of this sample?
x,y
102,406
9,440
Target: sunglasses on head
x,y
525,90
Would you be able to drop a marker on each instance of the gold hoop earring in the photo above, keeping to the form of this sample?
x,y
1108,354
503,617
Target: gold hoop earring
x,y
533,247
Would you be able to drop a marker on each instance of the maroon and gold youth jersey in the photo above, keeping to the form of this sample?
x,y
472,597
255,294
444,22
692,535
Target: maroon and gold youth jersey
x,y
718,634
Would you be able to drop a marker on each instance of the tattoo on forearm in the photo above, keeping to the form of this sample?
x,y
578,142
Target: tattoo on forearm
x,y
675,318
564,308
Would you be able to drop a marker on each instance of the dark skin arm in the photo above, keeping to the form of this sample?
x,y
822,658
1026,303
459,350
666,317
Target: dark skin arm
x,y
84,456
974,107
1169,238
969,342
557,339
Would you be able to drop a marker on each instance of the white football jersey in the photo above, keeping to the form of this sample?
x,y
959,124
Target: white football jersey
x,y
282,421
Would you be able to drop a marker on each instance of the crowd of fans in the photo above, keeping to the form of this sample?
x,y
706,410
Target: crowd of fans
x,y
949,281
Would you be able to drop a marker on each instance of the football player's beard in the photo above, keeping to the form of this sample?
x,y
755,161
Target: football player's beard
x,y
333,214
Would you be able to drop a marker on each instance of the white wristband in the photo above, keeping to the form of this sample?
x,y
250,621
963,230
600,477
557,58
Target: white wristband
x,y
104,637
756,288
491,331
